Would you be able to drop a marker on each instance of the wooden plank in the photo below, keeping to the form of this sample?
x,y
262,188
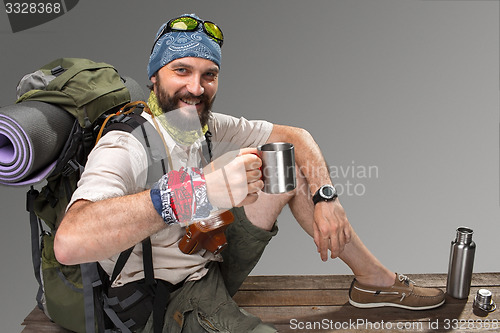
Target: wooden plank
x,y
455,316
297,297
297,303
44,328
35,315
309,282
452,309
267,298
279,282
452,317
37,321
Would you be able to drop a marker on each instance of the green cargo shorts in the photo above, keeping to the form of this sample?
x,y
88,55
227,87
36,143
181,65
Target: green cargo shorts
x,y
207,304
245,245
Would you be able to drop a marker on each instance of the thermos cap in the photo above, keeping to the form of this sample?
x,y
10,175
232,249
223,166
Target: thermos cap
x,y
484,301
464,235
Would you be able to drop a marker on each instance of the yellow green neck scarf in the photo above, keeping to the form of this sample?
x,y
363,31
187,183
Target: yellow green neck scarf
x,y
185,138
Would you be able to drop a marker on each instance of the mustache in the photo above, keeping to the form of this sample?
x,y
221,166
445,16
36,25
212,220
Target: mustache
x,y
205,113
170,103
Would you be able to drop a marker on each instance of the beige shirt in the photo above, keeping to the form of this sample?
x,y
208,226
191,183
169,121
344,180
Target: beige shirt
x,y
117,167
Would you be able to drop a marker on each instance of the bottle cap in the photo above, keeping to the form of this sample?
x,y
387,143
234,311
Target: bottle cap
x,y
464,235
484,301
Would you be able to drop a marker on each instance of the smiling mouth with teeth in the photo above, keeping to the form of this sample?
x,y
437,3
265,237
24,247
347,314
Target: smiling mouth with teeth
x,y
191,102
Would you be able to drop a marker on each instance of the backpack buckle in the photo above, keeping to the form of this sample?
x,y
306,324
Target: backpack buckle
x,y
56,71
70,168
31,195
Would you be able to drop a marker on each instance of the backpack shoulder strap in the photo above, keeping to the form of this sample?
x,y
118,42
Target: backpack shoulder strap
x,y
147,135
207,146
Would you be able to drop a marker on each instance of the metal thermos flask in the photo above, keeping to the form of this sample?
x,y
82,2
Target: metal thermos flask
x,y
461,263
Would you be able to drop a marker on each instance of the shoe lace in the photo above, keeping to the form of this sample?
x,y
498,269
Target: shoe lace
x,y
406,280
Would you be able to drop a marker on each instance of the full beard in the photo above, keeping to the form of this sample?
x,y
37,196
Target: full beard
x,y
185,118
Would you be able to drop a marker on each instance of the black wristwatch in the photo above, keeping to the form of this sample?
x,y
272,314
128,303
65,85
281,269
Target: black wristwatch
x,y
325,193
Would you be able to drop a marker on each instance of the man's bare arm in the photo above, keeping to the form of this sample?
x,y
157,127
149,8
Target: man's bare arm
x,y
331,229
92,231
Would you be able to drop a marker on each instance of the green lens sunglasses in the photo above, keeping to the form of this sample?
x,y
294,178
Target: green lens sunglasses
x,y
188,23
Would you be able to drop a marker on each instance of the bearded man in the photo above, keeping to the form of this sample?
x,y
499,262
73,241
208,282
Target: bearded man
x,y
112,210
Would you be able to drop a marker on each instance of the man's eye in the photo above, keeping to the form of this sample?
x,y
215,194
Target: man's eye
x,y
211,75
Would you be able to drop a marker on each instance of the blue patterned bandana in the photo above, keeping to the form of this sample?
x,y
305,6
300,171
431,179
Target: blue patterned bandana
x,y
181,44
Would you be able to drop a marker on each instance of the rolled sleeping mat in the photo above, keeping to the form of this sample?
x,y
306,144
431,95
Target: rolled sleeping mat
x,y
32,135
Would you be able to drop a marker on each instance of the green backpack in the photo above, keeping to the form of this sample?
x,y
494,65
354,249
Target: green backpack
x,y
89,91
77,297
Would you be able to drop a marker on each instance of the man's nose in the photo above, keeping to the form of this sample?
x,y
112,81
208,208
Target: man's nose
x,y
195,86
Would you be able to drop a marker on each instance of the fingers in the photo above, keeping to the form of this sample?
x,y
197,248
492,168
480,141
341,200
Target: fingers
x,y
323,248
337,244
253,175
347,234
331,243
248,151
251,161
255,187
252,164
321,242
332,231
237,182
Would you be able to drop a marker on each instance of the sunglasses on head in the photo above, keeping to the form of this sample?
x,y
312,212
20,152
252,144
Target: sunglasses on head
x,y
188,23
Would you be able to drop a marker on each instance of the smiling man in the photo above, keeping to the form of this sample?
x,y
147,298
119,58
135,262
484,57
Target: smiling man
x,y
173,92
112,210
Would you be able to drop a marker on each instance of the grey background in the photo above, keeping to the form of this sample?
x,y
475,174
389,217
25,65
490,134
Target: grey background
x,y
409,89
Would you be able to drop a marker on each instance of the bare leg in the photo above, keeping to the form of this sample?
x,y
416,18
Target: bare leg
x,y
364,265
264,212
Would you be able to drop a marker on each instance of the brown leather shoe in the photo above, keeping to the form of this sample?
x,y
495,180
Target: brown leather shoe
x,y
403,294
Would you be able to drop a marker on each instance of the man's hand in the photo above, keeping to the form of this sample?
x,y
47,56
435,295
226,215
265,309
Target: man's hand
x,y
332,230
234,179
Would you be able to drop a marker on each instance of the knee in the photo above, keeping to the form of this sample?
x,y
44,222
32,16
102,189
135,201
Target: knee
x,y
264,212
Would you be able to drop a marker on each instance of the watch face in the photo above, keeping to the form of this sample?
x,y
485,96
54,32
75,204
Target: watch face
x,y
327,192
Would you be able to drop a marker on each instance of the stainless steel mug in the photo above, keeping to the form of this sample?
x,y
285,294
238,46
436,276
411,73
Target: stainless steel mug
x,y
461,263
278,167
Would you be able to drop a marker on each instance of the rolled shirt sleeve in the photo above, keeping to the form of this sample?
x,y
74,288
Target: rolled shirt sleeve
x,y
231,133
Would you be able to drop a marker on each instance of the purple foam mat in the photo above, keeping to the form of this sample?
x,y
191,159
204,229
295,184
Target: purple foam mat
x,y
32,135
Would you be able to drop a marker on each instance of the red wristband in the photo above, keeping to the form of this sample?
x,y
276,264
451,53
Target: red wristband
x,y
179,182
